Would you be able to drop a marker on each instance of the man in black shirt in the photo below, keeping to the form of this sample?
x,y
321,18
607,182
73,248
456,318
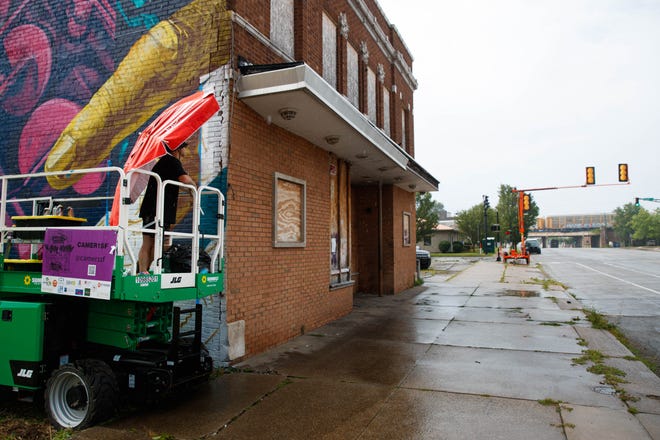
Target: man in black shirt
x,y
168,167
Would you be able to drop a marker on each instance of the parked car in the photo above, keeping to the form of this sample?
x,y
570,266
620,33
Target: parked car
x,y
533,246
424,258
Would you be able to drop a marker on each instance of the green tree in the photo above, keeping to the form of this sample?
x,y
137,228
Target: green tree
x,y
428,215
470,223
646,225
623,217
507,212
507,209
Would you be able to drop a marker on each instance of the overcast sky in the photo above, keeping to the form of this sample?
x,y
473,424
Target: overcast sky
x,y
529,92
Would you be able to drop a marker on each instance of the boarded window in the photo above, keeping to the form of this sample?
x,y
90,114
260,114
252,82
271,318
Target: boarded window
x,y
371,95
340,201
281,25
329,51
352,75
289,205
386,112
403,129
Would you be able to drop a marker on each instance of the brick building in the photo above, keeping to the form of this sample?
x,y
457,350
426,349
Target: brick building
x,y
313,146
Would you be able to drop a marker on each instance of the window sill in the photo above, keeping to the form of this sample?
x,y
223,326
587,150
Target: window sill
x,y
341,285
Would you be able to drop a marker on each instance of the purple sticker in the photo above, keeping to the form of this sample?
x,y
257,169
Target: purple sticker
x,y
87,254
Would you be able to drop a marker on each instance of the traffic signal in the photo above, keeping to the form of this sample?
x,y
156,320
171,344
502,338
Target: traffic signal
x,y
526,202
623,172
591,175
636,201
486,204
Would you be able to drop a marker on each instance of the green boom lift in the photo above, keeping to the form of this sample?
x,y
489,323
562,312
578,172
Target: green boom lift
x,y
78,322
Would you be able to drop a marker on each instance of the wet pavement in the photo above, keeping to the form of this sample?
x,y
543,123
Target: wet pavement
x,y
484,353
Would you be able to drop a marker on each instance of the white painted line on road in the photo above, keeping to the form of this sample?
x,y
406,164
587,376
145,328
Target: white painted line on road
x,y
633,270
618,279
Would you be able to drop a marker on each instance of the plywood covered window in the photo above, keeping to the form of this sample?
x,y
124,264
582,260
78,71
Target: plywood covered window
x,y
289,211
340,233
281,25
386,111
404,129
353,75
371,95
329,51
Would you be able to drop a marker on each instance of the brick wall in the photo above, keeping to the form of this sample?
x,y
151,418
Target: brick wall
x,y
398,260
388,241
403,256
279,292
365,238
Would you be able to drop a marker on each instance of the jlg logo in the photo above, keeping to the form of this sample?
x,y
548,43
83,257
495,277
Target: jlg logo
x,y
175,280
25,373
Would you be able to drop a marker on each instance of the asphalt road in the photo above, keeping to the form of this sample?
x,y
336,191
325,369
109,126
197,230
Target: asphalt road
x,y
623,284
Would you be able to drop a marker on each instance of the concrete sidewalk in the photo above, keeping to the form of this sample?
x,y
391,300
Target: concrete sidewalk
x,y
486,354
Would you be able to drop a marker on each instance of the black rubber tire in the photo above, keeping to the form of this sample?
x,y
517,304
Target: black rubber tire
x,y
81,394
5,394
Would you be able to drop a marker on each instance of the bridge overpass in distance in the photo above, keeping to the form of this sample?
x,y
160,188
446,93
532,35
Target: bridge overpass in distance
x,y
585,239
587,230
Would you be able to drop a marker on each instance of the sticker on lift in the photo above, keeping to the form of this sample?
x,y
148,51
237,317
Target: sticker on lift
x,y
78,262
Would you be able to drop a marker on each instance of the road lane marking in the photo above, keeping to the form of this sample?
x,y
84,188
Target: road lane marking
x,y
618,279
633,270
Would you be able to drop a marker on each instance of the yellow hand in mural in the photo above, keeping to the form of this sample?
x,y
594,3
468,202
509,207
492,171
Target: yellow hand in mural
x,y
163,65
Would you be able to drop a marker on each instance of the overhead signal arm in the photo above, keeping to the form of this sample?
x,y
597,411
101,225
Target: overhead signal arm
x,y
647,199
524,201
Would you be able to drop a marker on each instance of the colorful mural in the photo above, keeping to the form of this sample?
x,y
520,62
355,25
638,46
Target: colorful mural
x,y
80,78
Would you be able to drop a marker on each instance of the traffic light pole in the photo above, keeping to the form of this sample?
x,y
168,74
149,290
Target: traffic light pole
x,y
513,254
524,201
646,199
521,221
521,210
569,186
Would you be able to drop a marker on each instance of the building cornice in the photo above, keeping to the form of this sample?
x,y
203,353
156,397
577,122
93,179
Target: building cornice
x,y
371,24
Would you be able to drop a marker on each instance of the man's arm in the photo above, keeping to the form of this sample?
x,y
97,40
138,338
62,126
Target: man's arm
x,y
184,178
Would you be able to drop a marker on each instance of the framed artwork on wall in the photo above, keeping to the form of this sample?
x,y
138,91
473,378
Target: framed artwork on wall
x,y
289,211
406,229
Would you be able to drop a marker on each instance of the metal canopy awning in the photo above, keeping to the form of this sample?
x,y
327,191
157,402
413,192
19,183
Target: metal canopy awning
x,y
297,99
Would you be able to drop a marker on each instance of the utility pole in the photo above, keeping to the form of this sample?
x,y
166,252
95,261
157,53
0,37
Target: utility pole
x,y
486,206
499,239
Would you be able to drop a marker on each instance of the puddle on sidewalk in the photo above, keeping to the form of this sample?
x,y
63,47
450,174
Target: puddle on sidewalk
x,y
607,390
520,293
